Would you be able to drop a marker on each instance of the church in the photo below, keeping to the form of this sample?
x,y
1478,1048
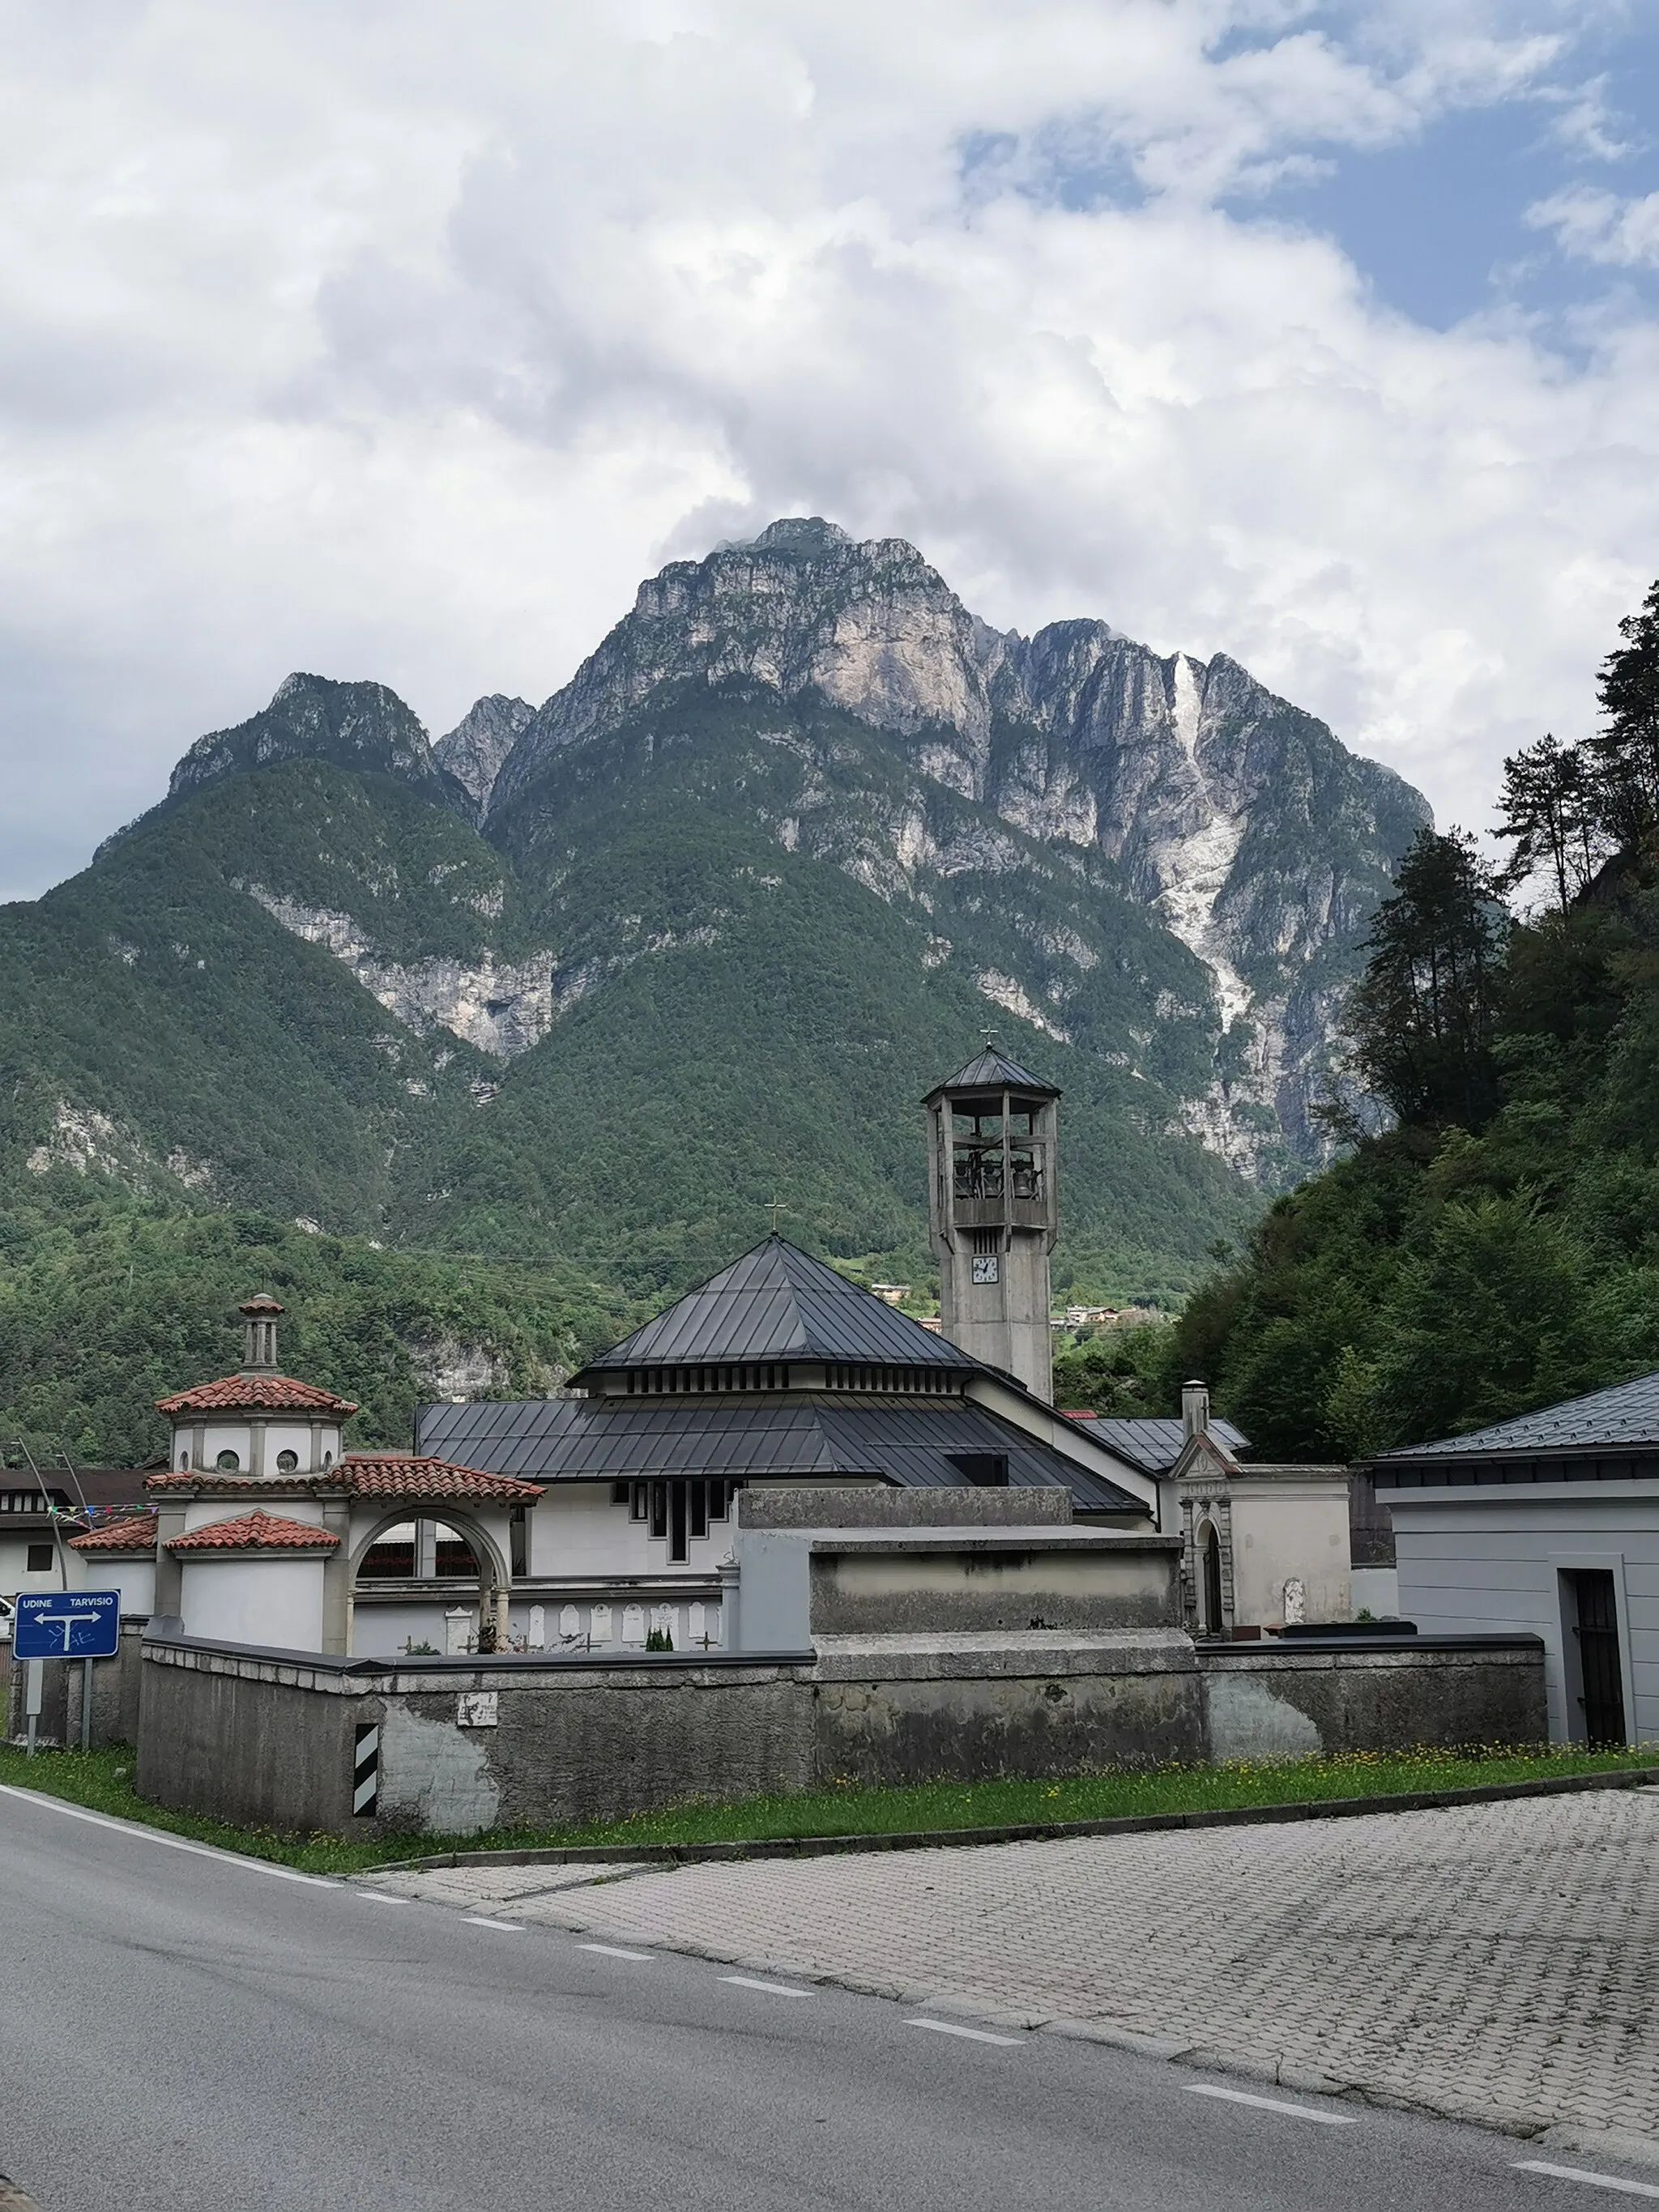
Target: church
x,y
604,1519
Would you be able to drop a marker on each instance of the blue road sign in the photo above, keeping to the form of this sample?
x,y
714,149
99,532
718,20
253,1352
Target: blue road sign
x,y
67,1624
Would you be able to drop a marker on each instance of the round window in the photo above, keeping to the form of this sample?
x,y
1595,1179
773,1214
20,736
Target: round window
x,y
228,1462
287,1461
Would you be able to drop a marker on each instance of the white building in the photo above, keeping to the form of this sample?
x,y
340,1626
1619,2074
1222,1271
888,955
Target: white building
x,y
1550,1523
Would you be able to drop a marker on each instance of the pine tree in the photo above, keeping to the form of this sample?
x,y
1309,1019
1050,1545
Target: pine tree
x,y
1422,1016
1626,753
1548,810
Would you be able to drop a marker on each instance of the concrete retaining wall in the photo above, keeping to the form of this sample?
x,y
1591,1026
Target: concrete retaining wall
x,y
481,1743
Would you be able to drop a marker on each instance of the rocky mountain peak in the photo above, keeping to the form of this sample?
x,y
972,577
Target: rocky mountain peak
x,y
809,537
354,724
472,752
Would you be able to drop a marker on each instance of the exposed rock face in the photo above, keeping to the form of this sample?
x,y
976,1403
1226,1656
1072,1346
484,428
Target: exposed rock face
x,y
1261,841
358,725
503,1008
474,749
871,627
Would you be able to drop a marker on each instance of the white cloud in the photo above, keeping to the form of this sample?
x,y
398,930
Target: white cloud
x,y
354,339
1595,225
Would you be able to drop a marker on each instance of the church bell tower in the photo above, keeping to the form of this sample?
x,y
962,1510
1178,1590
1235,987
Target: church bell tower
x,y
992,1213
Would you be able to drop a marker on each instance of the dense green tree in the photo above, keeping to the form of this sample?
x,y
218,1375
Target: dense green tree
x,y
1422,1016
1499,1248
1121,1373
1547,810
1625,751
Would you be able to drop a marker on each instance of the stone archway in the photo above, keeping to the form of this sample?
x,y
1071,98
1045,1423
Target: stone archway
x,y
494,1572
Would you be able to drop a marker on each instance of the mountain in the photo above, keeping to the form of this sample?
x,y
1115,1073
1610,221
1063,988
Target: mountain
x,y
474,751
1258,841
587,986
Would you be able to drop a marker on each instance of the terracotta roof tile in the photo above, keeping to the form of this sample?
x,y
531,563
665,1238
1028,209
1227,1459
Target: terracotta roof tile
x,y
135,1533
410,1474
257,1532
255,1393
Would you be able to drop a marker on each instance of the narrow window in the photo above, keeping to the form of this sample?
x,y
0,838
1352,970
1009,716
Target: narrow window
x,y
660,1509
677,1532
1213,1618
621,1493
718,1494
699,1503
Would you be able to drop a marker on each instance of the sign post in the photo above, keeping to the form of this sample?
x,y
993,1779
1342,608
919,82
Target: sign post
x,y
83,1625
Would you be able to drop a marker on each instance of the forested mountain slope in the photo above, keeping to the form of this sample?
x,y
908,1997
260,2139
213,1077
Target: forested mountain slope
x,y
1498,1249
586,987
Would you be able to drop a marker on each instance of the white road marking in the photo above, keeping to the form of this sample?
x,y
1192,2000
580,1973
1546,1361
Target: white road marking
x,y
609,1951
160,1835
772,1988
384,1897
1273,2104
1582,2174
973,2034
509,1927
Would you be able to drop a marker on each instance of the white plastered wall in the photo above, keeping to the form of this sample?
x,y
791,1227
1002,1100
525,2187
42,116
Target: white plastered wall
x,y
14,1574
255,1600
1299,1532
576,1531
202,1512
131,1573
1492,1561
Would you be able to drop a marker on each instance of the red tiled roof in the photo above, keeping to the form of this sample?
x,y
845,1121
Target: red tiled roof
x,y
255,1393
408,1474
137,1534
257,1532
209,1478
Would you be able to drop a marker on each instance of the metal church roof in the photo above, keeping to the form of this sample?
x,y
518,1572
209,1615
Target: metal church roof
x,y
778,1303
992,1070
912,1444
1154,1443
1623,1419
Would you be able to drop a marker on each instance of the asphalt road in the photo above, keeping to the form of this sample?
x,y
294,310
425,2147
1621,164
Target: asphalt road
x,y
185,2032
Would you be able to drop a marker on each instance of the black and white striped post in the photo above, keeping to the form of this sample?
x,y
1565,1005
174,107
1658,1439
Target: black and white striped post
x,y
366,1770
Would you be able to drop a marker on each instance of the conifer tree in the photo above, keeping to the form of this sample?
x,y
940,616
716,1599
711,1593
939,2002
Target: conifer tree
x,y
1422,1016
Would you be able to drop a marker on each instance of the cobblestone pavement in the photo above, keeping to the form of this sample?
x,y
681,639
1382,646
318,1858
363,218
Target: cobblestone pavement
x,y
1496,1963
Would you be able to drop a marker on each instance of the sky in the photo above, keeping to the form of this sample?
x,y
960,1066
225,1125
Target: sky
x,y
401,341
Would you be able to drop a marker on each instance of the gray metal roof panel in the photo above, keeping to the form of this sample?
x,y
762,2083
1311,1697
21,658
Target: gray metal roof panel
x,y
991,1070
1153,1445
778,1303
1623,1419
910,1442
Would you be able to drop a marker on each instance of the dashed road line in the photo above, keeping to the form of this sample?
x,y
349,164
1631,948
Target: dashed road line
x,y
1583,2173
383,1897
772,1988
611,1951
508,1927
970,2034
1275,2105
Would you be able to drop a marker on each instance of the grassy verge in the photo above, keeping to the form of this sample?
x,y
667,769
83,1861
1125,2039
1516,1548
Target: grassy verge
x,y
103,1780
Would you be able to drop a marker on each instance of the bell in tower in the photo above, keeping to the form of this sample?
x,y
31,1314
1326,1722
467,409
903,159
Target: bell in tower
x,y
992,1213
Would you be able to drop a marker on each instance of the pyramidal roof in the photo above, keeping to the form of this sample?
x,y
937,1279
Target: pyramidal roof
x,y
992,1070
779,1303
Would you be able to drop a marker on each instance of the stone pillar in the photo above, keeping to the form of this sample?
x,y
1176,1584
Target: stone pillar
x,y
336,1578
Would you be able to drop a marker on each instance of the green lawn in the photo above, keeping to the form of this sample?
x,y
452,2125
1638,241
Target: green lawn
x,y
103,1780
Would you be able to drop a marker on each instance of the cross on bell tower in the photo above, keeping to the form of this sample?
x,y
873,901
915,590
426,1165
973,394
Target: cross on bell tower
x,y
993,1212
